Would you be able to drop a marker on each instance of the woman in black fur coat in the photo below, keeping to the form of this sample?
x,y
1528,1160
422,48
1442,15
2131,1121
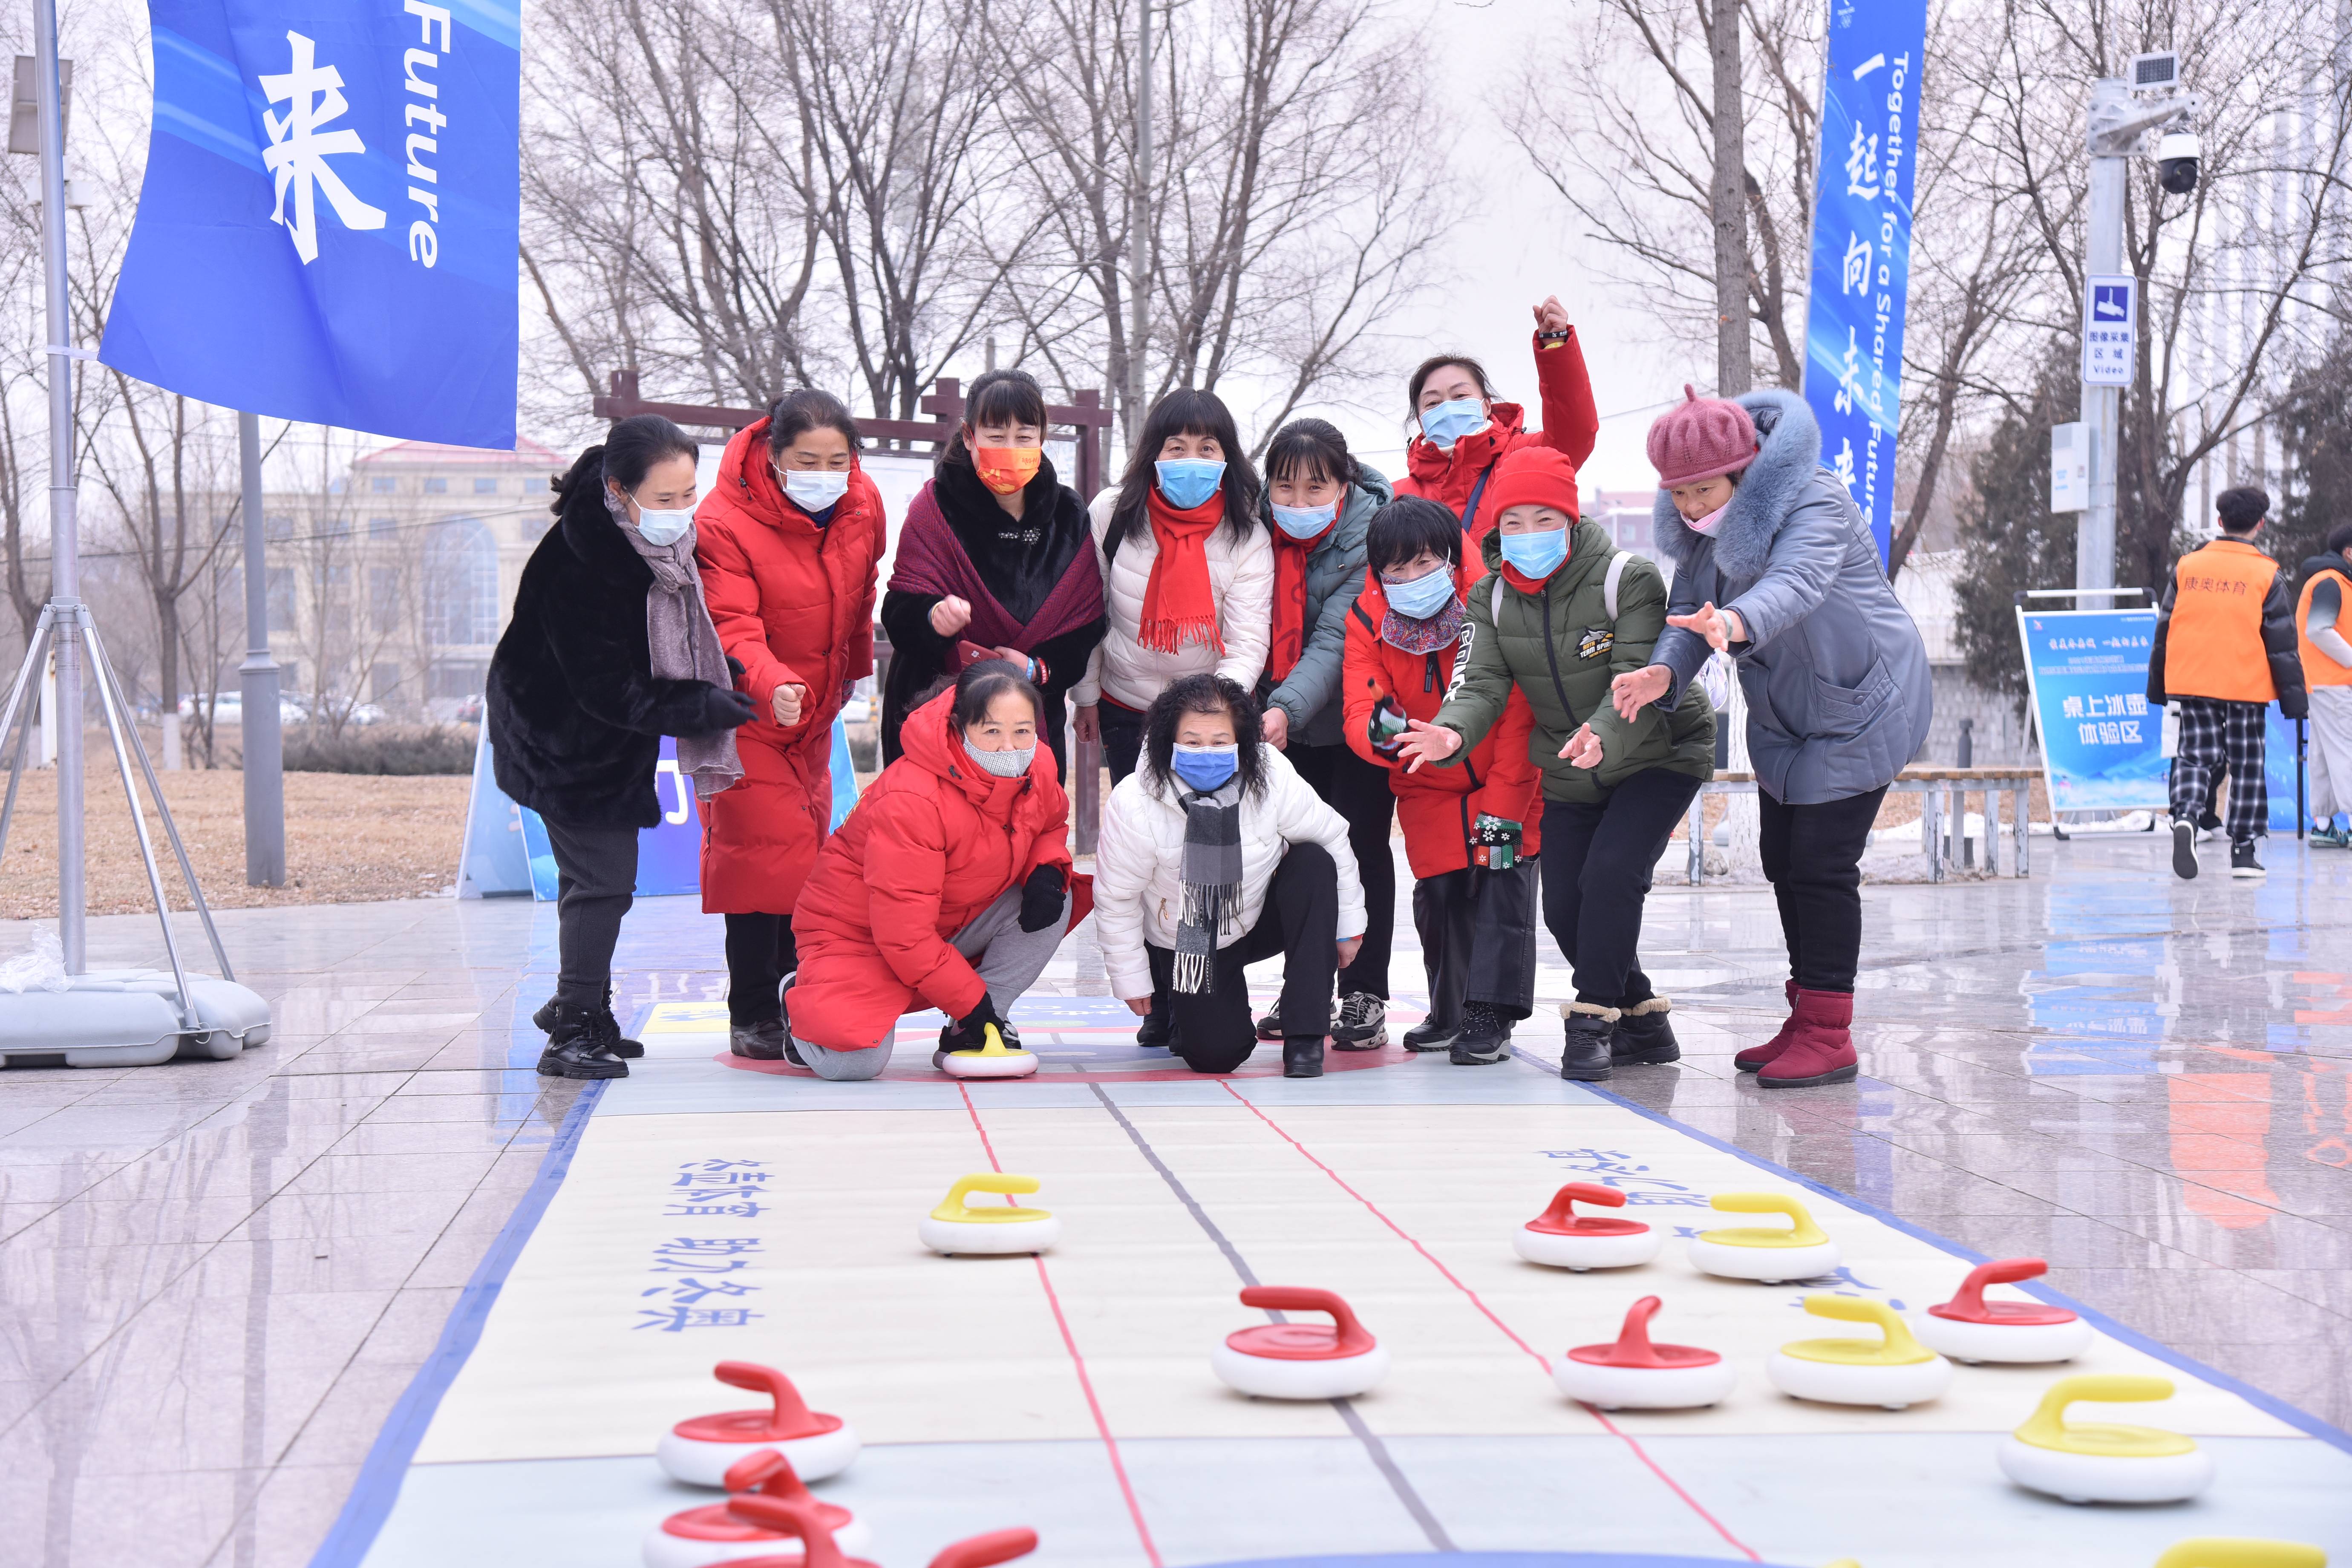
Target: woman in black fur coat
x,y
611,647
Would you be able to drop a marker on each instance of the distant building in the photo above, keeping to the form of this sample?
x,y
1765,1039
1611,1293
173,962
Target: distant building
x,y
1627,516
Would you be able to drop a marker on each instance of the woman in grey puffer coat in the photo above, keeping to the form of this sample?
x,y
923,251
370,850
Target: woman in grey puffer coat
x,y
1775,565
1319,502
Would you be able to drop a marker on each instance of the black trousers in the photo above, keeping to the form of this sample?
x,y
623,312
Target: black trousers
x,y
1122,737
1812,857
1597,863
760,953
596,881
1360,793
1214,1032
1478,939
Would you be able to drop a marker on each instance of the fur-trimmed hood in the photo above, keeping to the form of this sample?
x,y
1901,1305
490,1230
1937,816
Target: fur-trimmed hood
x,y
1789,452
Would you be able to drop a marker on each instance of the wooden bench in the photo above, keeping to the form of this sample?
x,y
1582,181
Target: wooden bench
x,y
1942,813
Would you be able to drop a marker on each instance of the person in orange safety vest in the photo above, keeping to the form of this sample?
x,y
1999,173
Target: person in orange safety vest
x,y
2320,623
2225,649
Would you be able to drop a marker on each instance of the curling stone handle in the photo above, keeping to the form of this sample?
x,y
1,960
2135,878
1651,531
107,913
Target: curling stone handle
x,y
986,1551
1857,1309
1801,1223
791,1518
791,1410
1633,1339
1969,1297
2047,1424
2229,1552
1562,1209
991,1043
766,1472
1354,1338
987,1181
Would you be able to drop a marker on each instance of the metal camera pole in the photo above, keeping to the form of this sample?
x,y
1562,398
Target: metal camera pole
x,y
264,741
2094,538
65,581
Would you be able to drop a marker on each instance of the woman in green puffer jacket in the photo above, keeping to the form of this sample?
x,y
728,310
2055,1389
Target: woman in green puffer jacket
x,y
1563,614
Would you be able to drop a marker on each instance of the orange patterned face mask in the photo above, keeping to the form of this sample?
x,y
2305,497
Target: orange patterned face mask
x,y
1004,469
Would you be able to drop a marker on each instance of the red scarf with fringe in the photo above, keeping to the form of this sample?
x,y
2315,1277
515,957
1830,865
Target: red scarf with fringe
x,y
1290,556
1179,606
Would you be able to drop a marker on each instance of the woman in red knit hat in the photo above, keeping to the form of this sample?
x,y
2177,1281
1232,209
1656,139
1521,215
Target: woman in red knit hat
x,y
1775,566
1564,613
1461,431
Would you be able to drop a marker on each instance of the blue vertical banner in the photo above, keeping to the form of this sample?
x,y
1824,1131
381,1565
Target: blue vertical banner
x,y
2086,676
327,227
1862,245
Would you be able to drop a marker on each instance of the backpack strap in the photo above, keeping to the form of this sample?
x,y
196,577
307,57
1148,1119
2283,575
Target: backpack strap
x,y
1356,608
1609,583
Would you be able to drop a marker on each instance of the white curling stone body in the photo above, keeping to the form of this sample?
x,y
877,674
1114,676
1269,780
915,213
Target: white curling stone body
x,y
1771,1264
706,1464
1644,1388
969,1236
1587,1251
2017,1343
1834,1383
1338,1377
2105,1478
662,1550
1020,1064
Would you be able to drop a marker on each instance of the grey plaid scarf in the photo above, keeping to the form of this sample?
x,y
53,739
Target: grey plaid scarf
x,y
1213,881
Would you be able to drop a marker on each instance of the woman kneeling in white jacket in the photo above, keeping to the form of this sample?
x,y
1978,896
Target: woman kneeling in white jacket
x,y
1213,854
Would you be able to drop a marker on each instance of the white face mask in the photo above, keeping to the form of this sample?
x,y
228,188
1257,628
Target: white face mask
x,y
1009,763
664,527
813,490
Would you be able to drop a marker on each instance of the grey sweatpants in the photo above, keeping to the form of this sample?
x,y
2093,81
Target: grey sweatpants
x,y
1008,959
2331,751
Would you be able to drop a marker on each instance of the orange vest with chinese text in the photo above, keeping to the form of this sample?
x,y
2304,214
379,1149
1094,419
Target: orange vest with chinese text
x,y
2319,668
2214,644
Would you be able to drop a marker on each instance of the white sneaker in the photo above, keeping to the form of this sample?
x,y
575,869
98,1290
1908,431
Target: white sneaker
x,y
1362,1024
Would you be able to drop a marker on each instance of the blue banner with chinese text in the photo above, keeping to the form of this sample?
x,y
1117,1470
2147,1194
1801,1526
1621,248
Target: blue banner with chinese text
x,y
2101,742
327,227
1861,246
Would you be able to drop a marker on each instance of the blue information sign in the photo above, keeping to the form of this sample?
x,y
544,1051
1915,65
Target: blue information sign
x,y
2101,741
1862,245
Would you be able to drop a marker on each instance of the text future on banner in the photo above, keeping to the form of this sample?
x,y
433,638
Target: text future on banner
x,y
1862,245
328,228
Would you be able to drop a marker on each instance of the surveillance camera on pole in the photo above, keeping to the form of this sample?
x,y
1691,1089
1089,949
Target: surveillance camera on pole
x,y
2145,115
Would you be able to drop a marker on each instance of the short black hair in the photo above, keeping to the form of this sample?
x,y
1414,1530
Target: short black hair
x,y
625,455
2339,538
2242,507
999,398
1312,450
1431,366
797,413
1407,525
981,683
1202,694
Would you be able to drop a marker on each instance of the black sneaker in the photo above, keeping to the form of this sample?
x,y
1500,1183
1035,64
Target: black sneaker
x,y
2243,862
1645,1036
762,1042
2184,850
1302,1056
1485,1039
544,1019
1584,1046
575,1048
1362,1024
620,1045
1157,1032
1269,1025
1431,1035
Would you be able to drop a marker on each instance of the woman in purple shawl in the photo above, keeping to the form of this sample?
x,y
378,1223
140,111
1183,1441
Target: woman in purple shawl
x,y
993,561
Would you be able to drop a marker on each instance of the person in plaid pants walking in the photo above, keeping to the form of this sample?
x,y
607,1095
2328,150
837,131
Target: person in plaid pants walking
x,y
2225,649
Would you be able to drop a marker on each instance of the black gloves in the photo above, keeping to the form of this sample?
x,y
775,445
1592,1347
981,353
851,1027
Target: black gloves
x,y
734,668
969,1026
1041,898
726,710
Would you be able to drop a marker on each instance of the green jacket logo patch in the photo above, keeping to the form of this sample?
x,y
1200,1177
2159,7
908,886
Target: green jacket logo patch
x,y
1596,642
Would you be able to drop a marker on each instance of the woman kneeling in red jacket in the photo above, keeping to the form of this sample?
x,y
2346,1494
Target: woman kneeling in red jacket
x,y
946,888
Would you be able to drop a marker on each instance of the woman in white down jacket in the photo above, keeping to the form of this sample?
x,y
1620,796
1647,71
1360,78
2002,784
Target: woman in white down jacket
x,y
1214,854
1187,569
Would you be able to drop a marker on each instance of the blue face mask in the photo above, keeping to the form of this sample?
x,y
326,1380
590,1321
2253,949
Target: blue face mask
x,y
1189,481
1449,422
1422,598
1205,767
1535,555
1304,522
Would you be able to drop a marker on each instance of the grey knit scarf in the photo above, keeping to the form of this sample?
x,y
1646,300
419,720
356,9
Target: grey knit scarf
x,y
685,647
1213,881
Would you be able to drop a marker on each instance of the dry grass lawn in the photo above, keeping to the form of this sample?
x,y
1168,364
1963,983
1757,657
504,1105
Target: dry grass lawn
x,y
349,838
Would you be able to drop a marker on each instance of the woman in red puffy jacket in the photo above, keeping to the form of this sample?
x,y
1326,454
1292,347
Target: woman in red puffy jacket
x,y
1477,922
1462,432
947,888
789,540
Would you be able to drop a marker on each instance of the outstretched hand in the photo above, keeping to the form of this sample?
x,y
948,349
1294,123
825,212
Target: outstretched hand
x,y
1637,689
1721,629
1425,743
